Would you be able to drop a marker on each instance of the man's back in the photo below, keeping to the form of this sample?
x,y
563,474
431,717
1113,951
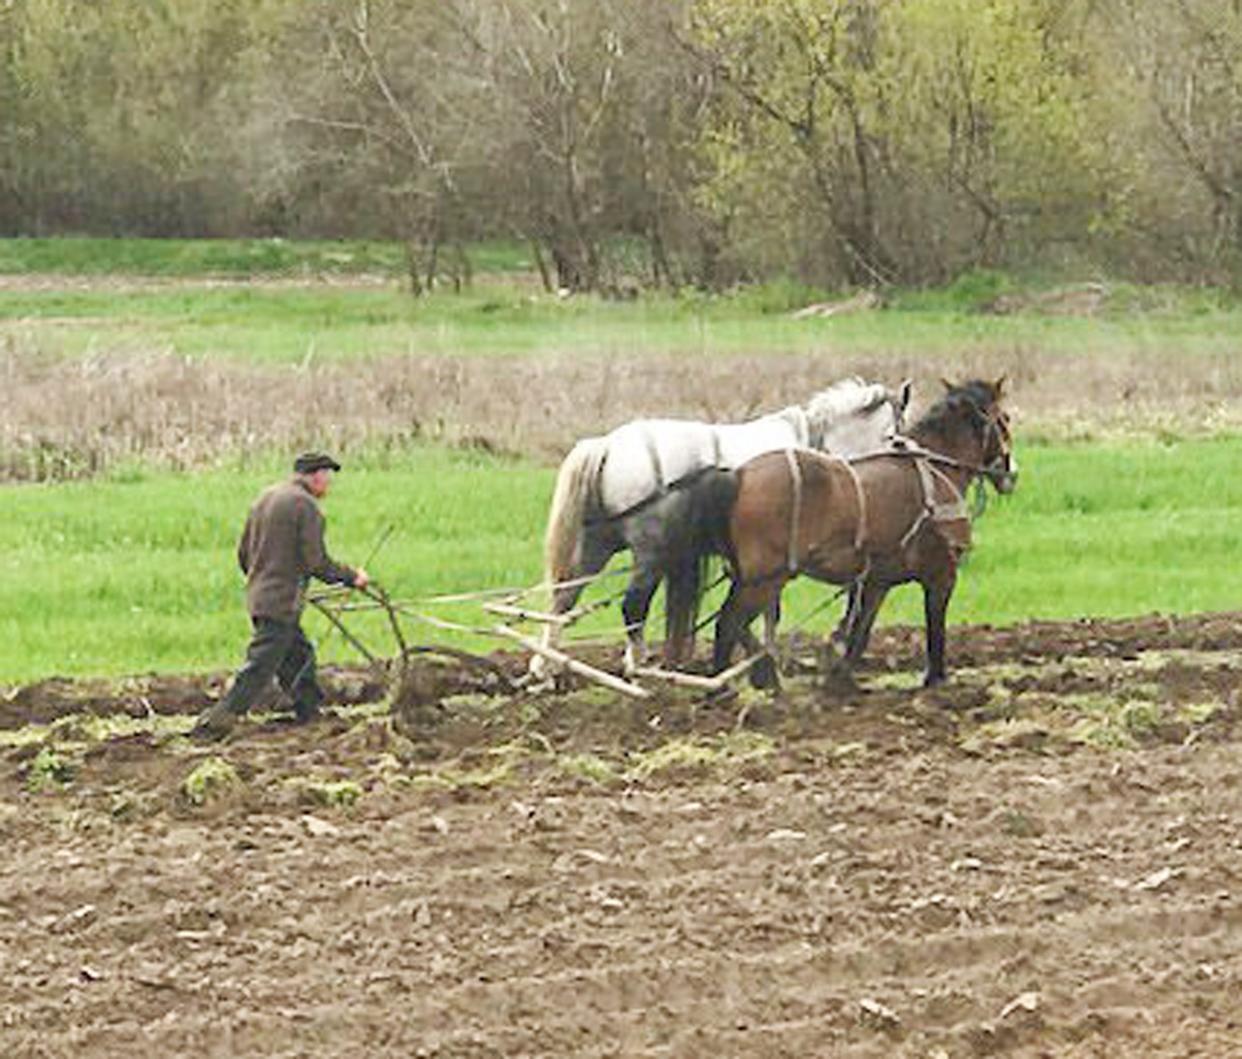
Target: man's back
x,y
280,548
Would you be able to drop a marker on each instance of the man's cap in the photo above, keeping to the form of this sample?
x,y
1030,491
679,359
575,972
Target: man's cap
x,y
310,462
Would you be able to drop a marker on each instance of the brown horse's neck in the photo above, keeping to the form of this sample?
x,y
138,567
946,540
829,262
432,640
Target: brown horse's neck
x,y
958,443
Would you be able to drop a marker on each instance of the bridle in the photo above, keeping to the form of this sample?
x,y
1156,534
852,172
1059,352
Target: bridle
x,y
996,428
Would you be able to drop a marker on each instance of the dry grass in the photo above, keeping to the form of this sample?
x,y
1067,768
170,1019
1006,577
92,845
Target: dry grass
x,y
67,418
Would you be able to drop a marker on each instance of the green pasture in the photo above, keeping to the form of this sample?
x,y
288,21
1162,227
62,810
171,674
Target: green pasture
x,y
506,311
135,573
293,324
199,258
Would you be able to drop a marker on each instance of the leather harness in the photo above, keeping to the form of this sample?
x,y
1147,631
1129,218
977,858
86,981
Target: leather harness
x,y
940,514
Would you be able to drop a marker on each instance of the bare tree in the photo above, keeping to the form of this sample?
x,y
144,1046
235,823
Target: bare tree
x,y
1183,61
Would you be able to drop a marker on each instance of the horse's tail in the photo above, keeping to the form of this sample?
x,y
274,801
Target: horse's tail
x,y
574,484
712,496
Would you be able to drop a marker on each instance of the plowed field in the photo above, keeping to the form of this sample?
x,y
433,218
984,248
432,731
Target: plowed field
x,y
1043,858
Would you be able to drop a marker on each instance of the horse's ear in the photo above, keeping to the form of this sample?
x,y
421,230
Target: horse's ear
x,y
904,393
998,387
946,384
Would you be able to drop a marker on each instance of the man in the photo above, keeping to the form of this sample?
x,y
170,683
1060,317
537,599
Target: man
x,y
280,550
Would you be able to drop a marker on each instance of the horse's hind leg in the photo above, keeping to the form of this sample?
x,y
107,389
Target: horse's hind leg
x,y
643,583
729,628
739,610
598,546
870,595
765,672
841,635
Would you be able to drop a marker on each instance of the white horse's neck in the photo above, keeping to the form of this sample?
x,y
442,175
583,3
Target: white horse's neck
x,y
799,422
849,417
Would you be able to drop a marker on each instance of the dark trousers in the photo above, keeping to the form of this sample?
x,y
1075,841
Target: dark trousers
x,y
277,649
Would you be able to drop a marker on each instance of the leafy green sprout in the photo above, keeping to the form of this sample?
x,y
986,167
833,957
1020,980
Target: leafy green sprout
x,y
212,777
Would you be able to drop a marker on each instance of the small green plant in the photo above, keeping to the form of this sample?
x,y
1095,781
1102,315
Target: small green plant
x,y
334,794
695,754
210,778
1195,713
1140,717
48,771
1008,732
588,767
464,779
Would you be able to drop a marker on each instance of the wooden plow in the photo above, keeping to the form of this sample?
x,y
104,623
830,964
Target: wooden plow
x,y
505,615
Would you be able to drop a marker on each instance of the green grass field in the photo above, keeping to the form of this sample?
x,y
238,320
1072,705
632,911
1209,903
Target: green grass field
x,y
199,258
506,312
290,325
135,573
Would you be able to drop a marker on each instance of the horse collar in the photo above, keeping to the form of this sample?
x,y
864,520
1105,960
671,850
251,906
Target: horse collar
x,y
942,516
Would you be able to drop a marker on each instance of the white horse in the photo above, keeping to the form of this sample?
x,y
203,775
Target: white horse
x,y
625,490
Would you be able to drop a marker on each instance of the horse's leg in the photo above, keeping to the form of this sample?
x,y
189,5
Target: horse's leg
x,y
766,673
871,594
935,604
598,546
841,634
739,610
729,628
643,583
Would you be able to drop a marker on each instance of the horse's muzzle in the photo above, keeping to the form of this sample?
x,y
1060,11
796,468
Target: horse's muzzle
x,y
1005,479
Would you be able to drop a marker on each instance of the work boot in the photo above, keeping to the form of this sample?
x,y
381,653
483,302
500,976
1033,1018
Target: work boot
x,y
213,724
307,703
307,713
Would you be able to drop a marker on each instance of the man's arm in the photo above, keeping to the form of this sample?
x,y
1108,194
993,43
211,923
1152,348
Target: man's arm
x,y
244,545
315,558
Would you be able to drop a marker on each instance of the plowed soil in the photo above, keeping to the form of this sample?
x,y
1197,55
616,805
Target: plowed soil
x,y
1043,858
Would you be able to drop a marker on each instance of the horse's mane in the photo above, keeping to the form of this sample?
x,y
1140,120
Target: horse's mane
x,y
841,400
962,404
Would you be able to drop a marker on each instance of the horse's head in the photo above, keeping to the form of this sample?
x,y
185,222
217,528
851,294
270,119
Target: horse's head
x,y
854,417
980,403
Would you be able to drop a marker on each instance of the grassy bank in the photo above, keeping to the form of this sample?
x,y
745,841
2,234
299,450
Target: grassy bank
x,y
276,301
135,572
279,324
199,258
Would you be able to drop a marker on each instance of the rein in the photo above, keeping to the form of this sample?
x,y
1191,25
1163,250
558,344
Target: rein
x,y
904,446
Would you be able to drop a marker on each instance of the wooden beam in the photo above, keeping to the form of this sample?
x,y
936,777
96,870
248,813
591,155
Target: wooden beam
x,y
672,676
573,665
735,671
507,610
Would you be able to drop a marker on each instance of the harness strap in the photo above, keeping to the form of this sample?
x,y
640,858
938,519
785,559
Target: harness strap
x,y
954,510
860,535
717,452
654,453
795,516
803,426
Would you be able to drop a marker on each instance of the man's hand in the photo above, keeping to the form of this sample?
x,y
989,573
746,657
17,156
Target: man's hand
x,y
361,578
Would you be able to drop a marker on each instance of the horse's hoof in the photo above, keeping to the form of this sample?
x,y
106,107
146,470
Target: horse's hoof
x,y
838,680
763,674
633,661
934,680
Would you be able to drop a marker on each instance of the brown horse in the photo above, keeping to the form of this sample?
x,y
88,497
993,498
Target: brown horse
x,y
875,521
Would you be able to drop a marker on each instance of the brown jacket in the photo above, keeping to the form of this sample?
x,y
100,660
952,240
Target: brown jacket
x,y
282,548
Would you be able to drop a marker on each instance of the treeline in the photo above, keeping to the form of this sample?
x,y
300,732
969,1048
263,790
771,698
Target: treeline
x,y
643,141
